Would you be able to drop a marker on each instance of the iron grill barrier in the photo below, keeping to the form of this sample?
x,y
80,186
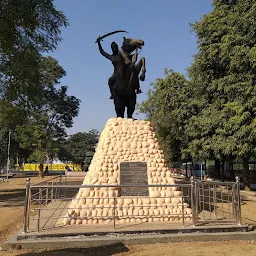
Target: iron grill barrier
x,y
211,202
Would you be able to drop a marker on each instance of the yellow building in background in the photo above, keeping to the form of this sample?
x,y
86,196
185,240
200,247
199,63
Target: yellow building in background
x,y
52,167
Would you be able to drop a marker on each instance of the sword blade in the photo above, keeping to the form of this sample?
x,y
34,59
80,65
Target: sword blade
x,y
111,33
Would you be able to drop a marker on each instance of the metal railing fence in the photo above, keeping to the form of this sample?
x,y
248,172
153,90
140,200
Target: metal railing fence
x,y
47,203
216,202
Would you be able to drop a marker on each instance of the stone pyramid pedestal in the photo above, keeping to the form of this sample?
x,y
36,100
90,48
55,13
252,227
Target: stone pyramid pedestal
x,y
127,153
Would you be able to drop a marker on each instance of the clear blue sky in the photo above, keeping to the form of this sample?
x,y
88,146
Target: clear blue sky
x,y
162,24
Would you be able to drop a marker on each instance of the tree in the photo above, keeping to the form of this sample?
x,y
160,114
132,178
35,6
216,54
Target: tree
x,y
169,108
28,28
10,117
224,72
79,146
48,114
217,114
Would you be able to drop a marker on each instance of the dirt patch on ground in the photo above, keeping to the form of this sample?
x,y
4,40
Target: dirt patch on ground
x,y
234,248
12,196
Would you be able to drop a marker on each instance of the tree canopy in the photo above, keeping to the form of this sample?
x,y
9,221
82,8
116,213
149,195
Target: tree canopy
x,y
219,121
49,114
80,147
33,104
168,108
28,28
224,71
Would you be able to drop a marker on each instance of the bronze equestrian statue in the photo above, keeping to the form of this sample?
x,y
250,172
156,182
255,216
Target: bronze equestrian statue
x,y
124,83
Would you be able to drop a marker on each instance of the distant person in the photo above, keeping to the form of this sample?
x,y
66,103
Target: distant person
x,y
189,174
67,168
46,169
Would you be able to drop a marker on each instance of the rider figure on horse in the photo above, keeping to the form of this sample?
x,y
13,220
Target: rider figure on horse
x,y
115,58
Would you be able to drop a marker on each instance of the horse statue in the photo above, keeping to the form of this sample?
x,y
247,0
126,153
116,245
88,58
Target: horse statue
x,y
124,83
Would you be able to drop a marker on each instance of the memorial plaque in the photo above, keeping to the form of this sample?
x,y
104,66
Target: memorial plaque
x,y
133,173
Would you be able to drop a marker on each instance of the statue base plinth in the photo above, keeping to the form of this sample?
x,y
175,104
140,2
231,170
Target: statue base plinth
x,y
127,142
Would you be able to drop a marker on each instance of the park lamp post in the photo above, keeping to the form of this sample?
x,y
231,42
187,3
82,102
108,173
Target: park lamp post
x,y
8,155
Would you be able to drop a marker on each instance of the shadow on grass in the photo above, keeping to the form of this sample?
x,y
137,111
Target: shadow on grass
x,y
95,251
12,197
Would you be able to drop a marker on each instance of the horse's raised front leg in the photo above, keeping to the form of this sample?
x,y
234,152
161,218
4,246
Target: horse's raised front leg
x,y
141,66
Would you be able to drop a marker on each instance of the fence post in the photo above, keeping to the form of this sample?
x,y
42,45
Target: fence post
x,y
114,213
60,183
193,206
215,201
238,207
38,220
47,192
56,191
40,197
52,192
25,227
234,202
183,221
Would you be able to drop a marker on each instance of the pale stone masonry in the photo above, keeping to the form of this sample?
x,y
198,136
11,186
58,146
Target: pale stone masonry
x,y
126,140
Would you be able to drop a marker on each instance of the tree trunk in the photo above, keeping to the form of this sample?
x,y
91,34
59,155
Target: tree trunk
x,y
246,173
217,169
41,170
206,174
222,170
